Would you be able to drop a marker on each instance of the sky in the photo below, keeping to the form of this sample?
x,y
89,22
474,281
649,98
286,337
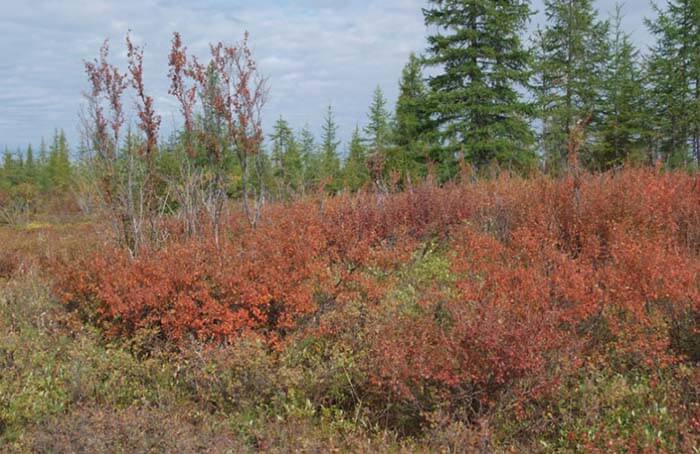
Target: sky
x,y
314,53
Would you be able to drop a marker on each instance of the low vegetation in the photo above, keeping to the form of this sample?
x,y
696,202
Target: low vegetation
x,y
531,314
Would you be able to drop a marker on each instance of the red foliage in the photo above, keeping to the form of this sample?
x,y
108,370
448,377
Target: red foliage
x,y
547,273
562,272
234,91
107,85
196,288
149,121
185,95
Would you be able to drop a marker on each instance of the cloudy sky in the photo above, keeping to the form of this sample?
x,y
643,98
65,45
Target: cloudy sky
x,y
315,52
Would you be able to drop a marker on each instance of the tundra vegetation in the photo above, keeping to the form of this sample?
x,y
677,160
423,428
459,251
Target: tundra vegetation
x,y
459,281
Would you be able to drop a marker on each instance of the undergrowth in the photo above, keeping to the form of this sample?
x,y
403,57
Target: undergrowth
x,y
509,314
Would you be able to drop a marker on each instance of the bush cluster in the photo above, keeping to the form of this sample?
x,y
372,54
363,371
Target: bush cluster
x,y
470,300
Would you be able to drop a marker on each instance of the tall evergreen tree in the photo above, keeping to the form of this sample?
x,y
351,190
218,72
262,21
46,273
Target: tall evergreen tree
x,y
286,157
355,170
311,161
378,135
378,129
330,161
20,157
571,53
409,117
43,153
58,165
482,63
9,169
674,77
30,169
621,128
410,121
43,177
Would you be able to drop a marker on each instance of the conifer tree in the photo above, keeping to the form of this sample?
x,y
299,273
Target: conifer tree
x,y
43,152
378,135
30,165
482,63
27,172
311,161
43,177
286,158
355,171
58,166
674,78
9,168
621,127
330,162
378,129
20,158
571,53
410,124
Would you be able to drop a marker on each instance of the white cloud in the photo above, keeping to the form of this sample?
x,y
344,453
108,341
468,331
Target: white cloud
x,y
313,51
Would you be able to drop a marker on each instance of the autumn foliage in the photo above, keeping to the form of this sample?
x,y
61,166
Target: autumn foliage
x,y
544,275
547,278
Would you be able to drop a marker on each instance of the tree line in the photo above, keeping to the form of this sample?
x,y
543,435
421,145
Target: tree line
x,y
29,176
499,97
483,93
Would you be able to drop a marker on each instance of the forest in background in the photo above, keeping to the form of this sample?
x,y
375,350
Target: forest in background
x,y
483,94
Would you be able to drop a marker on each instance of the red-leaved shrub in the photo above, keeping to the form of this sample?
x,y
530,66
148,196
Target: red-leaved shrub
x,y
546,273
549,272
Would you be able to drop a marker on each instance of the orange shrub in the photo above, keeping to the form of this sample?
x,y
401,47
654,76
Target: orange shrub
x,y
547,272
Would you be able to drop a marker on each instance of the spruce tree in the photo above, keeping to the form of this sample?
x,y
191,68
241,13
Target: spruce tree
x,y
410,124
482,64
674,76
30,165
58,166
355,170
571,53
19,164
378,129
9,168
43,177
311,161
378,135
330,162
620,133
43,153
286,158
